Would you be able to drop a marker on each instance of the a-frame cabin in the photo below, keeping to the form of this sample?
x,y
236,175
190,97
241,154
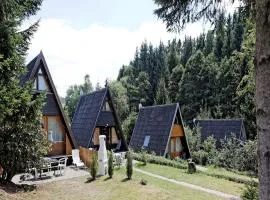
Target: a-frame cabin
x,y
96,115
159,129
54,121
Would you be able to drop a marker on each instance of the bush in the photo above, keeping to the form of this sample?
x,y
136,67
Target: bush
x,y
94,166
129,165
194,139
144,157
250,192
177,163
110,164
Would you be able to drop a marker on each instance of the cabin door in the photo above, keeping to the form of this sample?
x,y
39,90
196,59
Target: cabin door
x,y
107,132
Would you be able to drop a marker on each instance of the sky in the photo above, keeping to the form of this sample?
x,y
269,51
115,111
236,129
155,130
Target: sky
x,y
95,37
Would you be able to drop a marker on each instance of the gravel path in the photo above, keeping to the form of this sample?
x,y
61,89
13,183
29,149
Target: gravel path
x,y
195,187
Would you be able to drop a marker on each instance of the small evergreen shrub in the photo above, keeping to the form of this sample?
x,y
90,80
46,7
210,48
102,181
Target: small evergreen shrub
x,y
250,192
94,166
129,165
110,164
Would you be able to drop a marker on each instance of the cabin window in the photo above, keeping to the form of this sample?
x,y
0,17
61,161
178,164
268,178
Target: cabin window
x,y
172,145
40,82
146,141
42,85
178,144
55,132
106,106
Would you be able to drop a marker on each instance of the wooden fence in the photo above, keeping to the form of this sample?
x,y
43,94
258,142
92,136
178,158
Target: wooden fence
x,y
86,156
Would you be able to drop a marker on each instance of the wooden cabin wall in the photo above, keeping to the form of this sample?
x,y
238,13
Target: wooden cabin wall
x,y
68,146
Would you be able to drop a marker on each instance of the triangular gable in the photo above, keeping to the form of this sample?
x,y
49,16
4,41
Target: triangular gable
x,y
155,124
178,117
88,115
33,67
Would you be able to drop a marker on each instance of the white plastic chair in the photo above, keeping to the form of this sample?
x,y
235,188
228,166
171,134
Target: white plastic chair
x,y
62,163
76,158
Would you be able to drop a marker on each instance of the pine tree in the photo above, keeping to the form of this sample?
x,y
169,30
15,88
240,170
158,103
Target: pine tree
x,y
220,33
162,94
175,81
186,51
22,140
209,42
173,57
228,37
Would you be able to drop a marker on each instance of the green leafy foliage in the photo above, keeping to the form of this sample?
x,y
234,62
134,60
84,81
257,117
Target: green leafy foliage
x,y
22,141
250,192
120,98
128,125
73,95
232,154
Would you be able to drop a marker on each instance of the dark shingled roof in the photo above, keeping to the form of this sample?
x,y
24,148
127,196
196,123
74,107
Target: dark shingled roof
x,y
85,117
156,122
29,70
89,115
52,100
221,128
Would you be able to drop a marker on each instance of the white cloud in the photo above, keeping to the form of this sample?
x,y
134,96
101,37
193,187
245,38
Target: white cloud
x,y
95,50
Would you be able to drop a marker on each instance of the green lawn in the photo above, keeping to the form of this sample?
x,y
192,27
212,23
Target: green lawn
x,y
199,179
222,171
109,189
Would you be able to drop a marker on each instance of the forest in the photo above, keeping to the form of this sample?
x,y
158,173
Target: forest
x,y
211,76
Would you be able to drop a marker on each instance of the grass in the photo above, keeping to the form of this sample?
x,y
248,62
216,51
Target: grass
x,y
236,177
199,178
109,189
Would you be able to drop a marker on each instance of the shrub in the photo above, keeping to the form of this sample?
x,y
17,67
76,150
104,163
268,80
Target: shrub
x,y
94,166
177,163
247,157
144,157
194,139
110,164
129,165
250,192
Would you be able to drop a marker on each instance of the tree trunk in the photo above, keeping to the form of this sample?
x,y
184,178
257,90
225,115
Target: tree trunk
x,y
263,94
